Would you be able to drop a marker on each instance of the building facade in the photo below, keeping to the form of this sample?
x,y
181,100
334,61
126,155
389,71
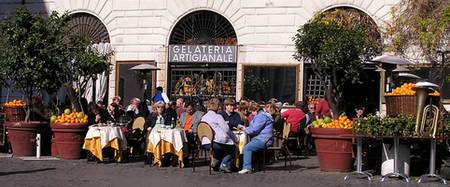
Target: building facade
x,y
253,35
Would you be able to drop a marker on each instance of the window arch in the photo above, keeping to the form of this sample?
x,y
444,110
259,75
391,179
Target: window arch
x,y
203,27
89,26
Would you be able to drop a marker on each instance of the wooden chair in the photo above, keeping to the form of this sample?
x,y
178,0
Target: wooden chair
x,y
283,147
136,136
204,131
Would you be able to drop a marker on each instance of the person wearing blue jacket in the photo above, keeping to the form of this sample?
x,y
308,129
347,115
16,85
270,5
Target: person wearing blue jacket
x,y
160,96
260,132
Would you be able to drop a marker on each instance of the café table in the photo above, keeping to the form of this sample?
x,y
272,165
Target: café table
x,y
396,172
100,136
432,166
432,163
359,170
162,141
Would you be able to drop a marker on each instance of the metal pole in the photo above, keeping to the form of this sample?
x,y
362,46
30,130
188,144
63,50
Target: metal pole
x,y
38,145
433,157
145,90
358,157
395,173
432,168
396,142
94,85
359,162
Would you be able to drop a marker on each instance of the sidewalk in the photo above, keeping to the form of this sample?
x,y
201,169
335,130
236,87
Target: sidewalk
x,y
16,172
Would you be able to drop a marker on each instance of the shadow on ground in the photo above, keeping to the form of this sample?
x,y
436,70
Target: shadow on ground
x,y
25,171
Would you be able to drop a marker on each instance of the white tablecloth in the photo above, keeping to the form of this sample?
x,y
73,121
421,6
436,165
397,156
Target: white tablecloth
x,y
176,137
106,134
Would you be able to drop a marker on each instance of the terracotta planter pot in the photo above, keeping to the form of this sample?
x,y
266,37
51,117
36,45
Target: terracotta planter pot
x,y
69,139
54,150
22,136
334,148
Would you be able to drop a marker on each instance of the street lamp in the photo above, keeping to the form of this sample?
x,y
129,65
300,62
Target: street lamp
x,y
389,63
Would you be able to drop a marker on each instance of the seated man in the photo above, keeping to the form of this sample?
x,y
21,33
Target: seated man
x,y
229,115
224,140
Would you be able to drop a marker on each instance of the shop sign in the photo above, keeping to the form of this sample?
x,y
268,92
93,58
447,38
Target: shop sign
x,y
203,53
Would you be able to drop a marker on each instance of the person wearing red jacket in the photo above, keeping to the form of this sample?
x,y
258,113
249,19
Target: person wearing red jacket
x,y
294,116
322,108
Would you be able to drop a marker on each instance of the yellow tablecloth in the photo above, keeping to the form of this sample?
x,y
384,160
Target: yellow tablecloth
x,y
240,144
164,147
94,146
162,141
100,137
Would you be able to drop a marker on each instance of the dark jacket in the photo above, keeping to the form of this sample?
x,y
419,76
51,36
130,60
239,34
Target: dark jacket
x,y
233,120
151,120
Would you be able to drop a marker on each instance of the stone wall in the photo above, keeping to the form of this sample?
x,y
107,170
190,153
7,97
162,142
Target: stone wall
x,y
140,29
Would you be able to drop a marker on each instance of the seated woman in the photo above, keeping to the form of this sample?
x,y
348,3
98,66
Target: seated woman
x,y
157,119
115,112
224,140
96,114
260,132
189,122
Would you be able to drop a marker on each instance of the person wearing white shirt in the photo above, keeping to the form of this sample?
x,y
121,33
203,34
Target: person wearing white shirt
x,y
134,105
224,139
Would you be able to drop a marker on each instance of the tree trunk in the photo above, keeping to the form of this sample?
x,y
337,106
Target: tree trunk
x,y
332,102
73,97
29,94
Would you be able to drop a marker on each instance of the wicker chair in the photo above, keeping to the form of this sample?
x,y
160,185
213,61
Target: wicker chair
x,y
136,137
203,131
283,146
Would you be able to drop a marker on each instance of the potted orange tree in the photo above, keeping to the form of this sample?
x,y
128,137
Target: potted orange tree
x,y
335,49
84,62
30,56
41,55
70,127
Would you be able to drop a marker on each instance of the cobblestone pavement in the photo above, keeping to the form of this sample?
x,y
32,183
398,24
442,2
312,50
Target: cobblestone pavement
x,y
18,173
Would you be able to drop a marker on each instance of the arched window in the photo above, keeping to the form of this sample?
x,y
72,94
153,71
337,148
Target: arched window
x,y
203,27
202,57
95,31
89,26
